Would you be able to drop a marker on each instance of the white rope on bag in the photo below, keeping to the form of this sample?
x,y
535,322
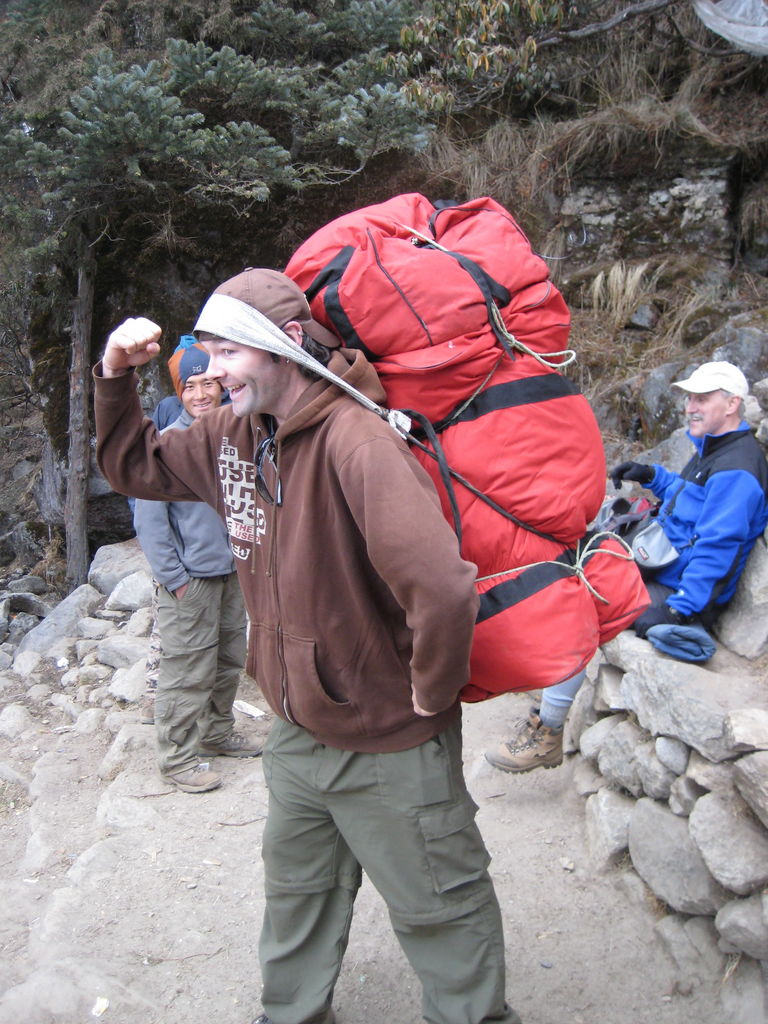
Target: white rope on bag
x,y
629,554
548,359
230,318
592,547
577,569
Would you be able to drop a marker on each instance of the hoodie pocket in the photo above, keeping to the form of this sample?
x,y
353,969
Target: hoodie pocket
x,y
284,665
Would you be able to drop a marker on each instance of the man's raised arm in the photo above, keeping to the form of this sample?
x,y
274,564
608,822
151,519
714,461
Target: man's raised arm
x,y
128,444
131,344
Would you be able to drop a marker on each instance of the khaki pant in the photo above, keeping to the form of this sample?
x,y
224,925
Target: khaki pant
x,y
405,819
203,652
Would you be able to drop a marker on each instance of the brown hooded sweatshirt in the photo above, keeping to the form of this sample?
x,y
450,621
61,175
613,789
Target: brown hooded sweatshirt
x,y
354,585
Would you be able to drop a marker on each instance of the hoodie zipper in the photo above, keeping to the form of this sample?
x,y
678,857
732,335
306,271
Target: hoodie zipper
x,y
271,574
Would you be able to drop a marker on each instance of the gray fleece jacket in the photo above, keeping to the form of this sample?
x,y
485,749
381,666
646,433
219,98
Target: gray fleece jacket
x,y
182,539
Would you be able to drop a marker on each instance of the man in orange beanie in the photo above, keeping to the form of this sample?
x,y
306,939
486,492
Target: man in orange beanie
x,y
200,611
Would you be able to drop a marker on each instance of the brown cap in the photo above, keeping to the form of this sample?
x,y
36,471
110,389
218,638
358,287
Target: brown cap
x,y
279,298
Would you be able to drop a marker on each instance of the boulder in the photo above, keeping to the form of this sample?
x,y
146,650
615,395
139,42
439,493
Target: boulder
x,y
607,820
62,622
733,844
113,562
669,862
132,592
616,758
750,775
743,926
689,703
743,626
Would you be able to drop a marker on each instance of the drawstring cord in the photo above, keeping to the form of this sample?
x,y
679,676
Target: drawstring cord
x,y
552,360
583,552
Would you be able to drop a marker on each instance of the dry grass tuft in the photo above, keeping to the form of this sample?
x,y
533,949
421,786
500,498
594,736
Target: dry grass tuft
x,y
619,292
695,301
496,163
526,166
607,358
53,566
620,129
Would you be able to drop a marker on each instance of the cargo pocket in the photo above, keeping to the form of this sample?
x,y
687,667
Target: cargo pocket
x,y
455,850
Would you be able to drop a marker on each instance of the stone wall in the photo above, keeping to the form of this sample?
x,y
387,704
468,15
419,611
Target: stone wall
x,y
672,759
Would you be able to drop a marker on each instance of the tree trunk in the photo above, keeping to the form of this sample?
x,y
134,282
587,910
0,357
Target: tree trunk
x,y
76,504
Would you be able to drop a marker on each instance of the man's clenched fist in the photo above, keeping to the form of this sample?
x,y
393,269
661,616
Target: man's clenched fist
x,y
133,343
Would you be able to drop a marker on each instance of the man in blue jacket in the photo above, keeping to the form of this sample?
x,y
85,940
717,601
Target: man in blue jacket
x,y
714,510
200,612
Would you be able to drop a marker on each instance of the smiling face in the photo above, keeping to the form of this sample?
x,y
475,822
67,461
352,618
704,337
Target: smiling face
x,y
201,394
258,383
714,412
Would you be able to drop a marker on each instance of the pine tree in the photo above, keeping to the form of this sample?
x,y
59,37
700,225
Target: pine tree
x,y
135,148
124,144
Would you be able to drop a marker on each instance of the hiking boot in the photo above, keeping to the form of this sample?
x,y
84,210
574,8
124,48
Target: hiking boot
x,y
147,709
329,1017
234,745
533,746
199,779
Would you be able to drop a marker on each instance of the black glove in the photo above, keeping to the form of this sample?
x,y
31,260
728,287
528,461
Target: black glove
x,y
660,615
638,471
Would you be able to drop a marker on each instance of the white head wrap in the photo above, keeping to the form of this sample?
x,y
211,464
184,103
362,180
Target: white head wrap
x,y
229,318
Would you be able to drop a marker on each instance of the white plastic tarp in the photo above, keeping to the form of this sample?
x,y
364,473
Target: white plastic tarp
x,y
742,22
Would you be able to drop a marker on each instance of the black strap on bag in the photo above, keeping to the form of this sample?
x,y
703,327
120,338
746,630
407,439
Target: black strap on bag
x,y
484,400
491,291
671,507
445,470
448,475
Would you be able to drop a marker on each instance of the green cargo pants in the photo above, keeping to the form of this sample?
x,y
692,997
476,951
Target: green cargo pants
x,y
407,820
203,652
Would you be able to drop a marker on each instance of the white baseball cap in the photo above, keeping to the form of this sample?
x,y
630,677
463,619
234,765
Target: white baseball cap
x,y
719,376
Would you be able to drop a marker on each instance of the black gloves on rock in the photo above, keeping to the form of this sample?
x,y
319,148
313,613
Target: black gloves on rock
x,y
638,471
661,616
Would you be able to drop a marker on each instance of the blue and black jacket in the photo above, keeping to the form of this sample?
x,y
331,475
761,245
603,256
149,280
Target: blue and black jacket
x,y
713,512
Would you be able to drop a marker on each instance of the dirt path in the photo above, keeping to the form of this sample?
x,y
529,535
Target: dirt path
x,y
151,899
